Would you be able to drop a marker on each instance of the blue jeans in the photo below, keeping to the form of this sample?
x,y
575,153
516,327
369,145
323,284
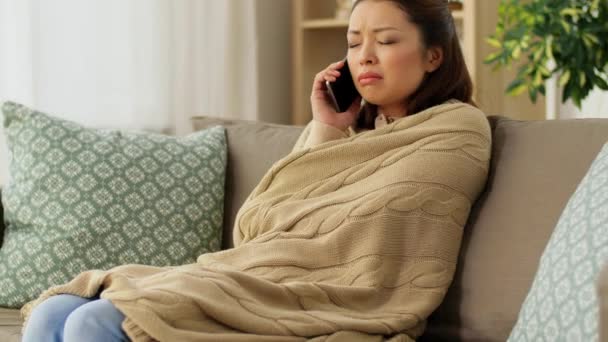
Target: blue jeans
x,y
72,318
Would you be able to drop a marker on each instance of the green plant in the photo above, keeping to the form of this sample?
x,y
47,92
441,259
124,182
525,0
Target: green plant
x,y
564,37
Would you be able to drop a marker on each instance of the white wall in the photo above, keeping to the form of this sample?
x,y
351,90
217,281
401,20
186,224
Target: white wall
x,y
594,106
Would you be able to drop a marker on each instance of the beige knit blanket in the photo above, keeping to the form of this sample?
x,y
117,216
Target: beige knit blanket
x,y
354,239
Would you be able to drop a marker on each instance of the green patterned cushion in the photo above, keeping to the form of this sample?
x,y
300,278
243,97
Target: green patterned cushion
x,y
562,304
81,198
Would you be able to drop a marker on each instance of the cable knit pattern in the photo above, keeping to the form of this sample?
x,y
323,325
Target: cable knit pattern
x,y
351,239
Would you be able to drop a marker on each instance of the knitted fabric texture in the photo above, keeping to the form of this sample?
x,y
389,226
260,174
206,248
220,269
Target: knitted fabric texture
x,y
350,239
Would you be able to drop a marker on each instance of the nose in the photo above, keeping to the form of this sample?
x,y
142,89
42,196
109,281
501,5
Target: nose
x,y
367,54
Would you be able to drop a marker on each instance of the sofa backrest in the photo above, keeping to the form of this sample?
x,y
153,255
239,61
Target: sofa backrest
x,y
252,149
536,166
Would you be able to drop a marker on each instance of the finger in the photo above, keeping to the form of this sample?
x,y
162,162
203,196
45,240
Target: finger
x,y
320,76
336,65
328,74
332,73
319,82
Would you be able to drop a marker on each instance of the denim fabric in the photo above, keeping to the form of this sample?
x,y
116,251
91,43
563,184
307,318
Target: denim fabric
x,y
72,318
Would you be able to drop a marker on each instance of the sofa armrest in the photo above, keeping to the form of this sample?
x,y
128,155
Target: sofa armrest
x,y
602,298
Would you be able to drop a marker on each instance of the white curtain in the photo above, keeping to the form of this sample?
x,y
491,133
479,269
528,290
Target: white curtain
x,y
135,64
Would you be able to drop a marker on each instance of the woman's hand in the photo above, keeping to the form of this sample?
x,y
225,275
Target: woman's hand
x,y
322,106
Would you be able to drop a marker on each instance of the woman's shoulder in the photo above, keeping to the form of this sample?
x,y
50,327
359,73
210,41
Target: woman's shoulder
x,y
472,109
470,117
456,116
462,108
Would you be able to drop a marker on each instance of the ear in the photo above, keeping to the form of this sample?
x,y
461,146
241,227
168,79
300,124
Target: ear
x,y
434,58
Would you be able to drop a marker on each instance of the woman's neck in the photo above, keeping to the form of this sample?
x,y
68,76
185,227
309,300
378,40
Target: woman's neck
x,y
393,111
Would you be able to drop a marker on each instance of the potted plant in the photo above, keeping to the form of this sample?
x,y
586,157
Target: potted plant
x,y
568,38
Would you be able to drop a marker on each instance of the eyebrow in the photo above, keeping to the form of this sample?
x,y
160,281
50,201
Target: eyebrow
x,y
376,30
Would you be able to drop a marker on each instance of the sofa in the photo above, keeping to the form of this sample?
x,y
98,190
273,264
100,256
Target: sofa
x,y
535,168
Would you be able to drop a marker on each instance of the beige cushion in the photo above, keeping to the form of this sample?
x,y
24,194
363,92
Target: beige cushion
x,y
252,149
10,325
535,168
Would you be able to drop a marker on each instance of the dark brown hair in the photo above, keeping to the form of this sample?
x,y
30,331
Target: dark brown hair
x,y
451,80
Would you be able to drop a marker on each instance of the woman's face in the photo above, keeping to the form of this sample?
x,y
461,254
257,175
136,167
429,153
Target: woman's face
x,y
386,54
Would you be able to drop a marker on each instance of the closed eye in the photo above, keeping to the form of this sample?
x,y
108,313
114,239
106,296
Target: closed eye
x,y
351,46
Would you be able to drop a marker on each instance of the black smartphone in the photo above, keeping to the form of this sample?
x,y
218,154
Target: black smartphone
x,y
342,91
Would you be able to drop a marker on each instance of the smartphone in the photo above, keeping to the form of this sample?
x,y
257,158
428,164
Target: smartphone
x,y
342,91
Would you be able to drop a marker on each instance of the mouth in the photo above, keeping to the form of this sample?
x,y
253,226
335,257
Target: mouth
x,y
367,78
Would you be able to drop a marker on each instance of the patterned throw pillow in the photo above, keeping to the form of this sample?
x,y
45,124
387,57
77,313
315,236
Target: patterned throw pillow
x,y
82,198
562,303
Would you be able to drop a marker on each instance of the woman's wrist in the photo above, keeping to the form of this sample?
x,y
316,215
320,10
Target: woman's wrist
x,y
321,132
332,124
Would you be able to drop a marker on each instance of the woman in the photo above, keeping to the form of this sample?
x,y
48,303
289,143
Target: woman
x,y
412,54
352,236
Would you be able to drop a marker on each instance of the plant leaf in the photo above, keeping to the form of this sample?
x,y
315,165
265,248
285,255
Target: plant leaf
x,y
516,52
492,41
573,12
532,92
549,48
592,38
600,82
492,57
516,87
566,26
564,78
